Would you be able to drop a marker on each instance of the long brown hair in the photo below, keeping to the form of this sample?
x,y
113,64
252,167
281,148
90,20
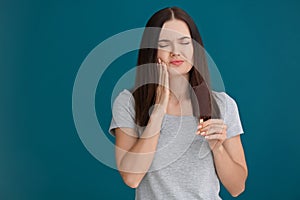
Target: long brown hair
x,y
144,91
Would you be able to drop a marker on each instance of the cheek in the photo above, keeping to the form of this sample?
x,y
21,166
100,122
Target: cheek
x,y
188,55
163,54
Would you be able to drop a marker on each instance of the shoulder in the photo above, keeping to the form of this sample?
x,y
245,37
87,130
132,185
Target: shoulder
x,y
223,99
123,113
226,103
124,104
125,95
229,113
124,98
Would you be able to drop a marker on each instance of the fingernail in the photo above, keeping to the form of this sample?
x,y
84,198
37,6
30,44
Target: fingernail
x,y
159,60
202,133
200,126
201,121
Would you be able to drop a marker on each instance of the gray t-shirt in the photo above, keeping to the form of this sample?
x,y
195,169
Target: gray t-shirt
x,y
183,166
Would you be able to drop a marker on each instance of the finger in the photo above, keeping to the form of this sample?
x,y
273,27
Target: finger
x,y
206,125
160,75
212,121
215,130
200,125
165,76
167,83
212,126
159,82
215,137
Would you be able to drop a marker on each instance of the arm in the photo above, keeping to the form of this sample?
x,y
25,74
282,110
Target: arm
x,y
134,155
231,165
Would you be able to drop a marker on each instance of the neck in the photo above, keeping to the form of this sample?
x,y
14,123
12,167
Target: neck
x,y
178,88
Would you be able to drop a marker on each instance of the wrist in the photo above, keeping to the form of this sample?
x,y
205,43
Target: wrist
x,y
158,111
218,150
156,117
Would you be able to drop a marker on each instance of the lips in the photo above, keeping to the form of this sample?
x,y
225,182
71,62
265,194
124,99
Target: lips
x,y
176,62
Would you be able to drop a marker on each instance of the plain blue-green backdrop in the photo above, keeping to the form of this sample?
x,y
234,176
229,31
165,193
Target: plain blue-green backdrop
x,y
43,43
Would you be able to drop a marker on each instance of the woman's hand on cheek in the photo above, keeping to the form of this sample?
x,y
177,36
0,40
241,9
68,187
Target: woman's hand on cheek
x,y
214,130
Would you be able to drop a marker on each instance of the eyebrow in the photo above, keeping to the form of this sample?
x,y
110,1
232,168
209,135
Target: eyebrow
x,y
182,38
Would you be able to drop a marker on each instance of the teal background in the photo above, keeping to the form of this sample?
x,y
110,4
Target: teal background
x,y
43,43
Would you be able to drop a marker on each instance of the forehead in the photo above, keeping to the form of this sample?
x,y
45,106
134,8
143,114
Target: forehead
x,y
174,29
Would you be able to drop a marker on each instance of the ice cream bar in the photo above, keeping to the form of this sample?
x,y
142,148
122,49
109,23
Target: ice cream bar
x,y
203,100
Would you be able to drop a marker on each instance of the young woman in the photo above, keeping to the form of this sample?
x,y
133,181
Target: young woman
x,y
175,137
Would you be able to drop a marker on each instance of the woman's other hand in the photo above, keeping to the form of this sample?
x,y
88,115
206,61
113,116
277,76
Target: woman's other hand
x,y
162,91
214,130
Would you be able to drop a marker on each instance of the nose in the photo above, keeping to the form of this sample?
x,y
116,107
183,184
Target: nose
x,y
174,50
174,54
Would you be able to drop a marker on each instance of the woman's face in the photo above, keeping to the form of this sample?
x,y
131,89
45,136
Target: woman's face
x,y
175,47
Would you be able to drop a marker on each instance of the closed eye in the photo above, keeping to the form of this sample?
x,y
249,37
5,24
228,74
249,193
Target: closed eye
x,y
185,40
163,45
185,43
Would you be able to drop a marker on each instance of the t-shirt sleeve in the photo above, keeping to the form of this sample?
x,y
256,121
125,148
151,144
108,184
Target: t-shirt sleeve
x,y
123,113
232,117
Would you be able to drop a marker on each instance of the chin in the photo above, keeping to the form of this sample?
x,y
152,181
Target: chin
x,y
179,70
